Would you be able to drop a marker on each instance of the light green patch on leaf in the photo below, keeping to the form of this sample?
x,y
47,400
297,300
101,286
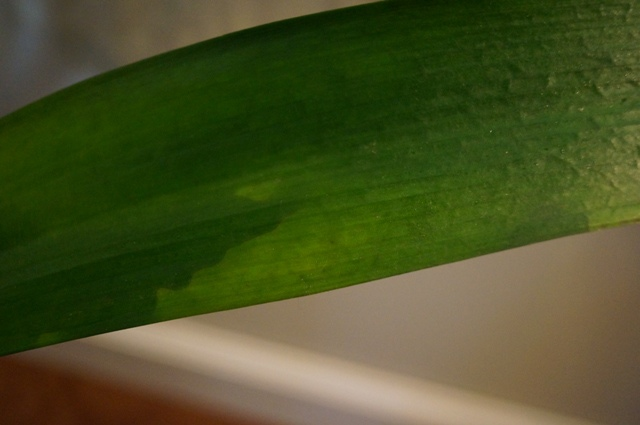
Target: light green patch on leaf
x,y
259,192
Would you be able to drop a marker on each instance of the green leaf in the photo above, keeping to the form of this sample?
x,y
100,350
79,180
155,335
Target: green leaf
x,y
313,154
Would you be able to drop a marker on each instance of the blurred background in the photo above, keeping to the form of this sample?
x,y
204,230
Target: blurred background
x,y
553,326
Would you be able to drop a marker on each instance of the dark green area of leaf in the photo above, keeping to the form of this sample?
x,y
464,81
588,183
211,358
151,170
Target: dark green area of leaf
x,y
92,300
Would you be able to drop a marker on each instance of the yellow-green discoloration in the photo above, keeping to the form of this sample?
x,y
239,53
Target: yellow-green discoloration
x,y
259,192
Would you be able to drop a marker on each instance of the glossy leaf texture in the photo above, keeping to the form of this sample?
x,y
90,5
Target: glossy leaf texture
x,y
313,154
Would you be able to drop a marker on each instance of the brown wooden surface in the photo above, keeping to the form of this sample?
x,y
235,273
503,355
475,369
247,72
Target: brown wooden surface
x,y
34,394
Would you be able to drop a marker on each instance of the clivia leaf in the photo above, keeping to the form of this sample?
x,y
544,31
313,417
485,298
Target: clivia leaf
x,y
313,154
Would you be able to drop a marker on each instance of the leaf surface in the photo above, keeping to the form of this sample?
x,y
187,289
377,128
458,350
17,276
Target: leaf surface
x,y
313,154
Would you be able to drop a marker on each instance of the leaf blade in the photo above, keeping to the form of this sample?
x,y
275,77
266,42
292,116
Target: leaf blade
x,y
314,154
